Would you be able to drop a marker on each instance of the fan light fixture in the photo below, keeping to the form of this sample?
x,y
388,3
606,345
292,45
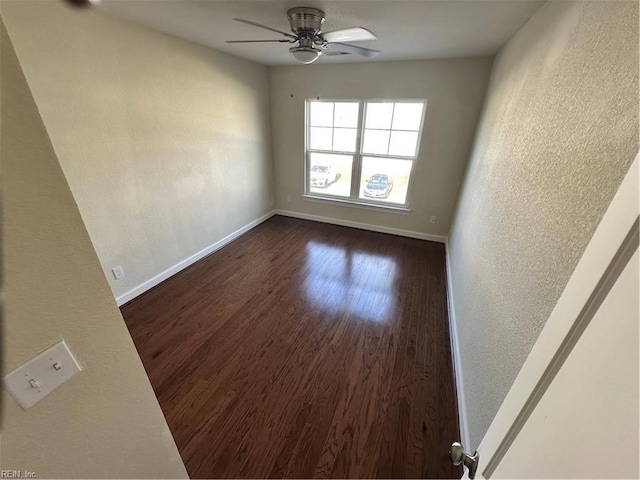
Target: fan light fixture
x,y
306,32
305,55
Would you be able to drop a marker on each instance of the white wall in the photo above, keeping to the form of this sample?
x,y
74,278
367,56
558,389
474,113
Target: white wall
x,y
165,144
558,132
454,90
105,422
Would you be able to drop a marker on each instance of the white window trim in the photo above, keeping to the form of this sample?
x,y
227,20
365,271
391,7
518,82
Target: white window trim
x,y
354,200
348,202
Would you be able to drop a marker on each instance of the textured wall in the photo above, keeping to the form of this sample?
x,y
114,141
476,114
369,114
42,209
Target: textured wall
x,y
558,132
454,90
106,421
165,144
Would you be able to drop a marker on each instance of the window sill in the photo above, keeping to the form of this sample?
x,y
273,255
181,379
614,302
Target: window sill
x,y
355,204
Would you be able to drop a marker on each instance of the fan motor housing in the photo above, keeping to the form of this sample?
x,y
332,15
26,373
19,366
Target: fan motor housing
x,y
306,21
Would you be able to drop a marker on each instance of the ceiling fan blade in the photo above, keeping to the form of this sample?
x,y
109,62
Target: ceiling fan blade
x,y
249,22
258,41
345,48
353,34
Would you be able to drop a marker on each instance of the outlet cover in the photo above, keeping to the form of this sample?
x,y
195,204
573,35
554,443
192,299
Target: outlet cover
x,y
41,375
118,272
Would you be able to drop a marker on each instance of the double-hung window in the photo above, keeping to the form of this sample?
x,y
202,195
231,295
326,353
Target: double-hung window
x,y
362,151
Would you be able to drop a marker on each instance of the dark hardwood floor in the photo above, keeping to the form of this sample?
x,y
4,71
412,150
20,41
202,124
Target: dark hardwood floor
x,y
305,350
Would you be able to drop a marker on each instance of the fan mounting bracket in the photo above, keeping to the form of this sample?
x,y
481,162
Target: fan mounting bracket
x,y
306,21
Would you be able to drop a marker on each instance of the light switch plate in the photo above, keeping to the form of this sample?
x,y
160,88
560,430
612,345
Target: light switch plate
x,y
41,375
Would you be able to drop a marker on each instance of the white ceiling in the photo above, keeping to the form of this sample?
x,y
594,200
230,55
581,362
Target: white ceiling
x,y
406,29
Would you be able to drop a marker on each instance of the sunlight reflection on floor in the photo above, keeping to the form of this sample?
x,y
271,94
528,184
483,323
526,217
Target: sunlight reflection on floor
x,y
338,280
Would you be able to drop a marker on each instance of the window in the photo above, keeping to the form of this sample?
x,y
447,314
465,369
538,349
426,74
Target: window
x,y
362,151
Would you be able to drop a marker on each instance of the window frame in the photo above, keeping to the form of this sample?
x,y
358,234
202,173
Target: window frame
x,y
358,156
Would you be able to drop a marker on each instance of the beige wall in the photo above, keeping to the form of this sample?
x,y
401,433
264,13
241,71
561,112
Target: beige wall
x,y
454,90
558,132
165,144
106,421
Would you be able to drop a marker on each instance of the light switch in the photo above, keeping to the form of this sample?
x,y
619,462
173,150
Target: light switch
x,y
41,375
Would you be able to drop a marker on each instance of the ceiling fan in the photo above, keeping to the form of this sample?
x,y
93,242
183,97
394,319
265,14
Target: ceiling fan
x,y
306,27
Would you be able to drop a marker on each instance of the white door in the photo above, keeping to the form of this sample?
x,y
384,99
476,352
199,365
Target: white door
x,y
572,412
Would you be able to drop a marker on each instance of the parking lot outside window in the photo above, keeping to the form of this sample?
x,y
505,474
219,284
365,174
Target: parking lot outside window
x,y
362,151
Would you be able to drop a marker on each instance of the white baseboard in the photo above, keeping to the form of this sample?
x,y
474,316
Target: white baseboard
x,y
363,226
457,361
161,277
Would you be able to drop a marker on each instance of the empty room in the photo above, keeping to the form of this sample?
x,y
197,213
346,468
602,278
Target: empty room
x,y
319,239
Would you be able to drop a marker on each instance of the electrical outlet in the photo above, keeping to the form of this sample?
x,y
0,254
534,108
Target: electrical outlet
x,y
118,272
288,197
433,219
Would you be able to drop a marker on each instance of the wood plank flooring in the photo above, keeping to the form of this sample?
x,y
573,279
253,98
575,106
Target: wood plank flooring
x,y
305,350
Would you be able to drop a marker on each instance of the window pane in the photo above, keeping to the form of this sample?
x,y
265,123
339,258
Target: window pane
x,y
330,174
403,143
344,139
407,116
346,115
376,141
321,114
379,115
321,138
385,180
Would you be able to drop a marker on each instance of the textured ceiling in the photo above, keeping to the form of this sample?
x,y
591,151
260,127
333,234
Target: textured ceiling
x,y
405,29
